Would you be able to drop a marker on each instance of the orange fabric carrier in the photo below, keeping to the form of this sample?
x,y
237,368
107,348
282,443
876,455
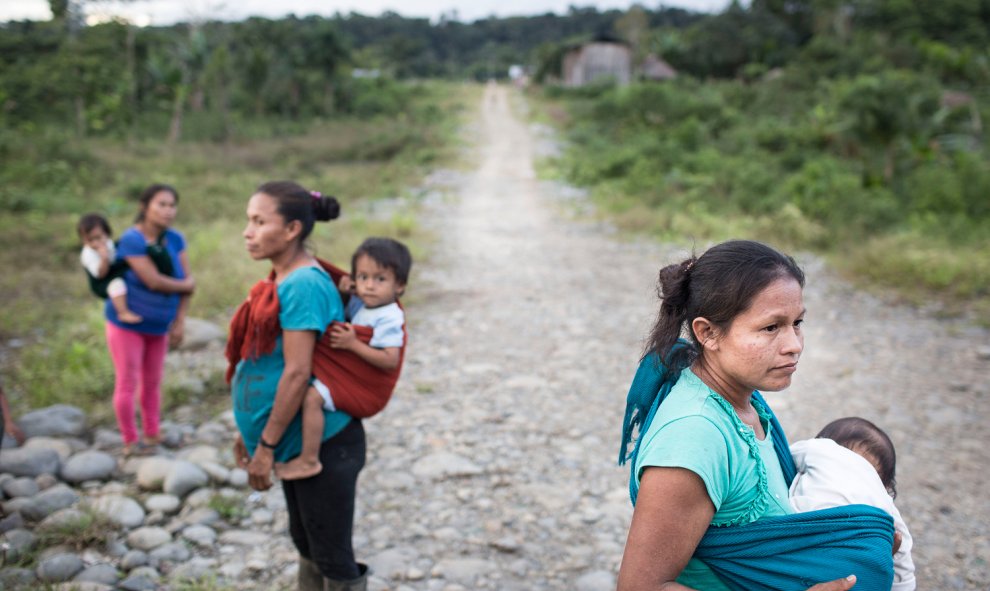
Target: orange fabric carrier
x,y
357,387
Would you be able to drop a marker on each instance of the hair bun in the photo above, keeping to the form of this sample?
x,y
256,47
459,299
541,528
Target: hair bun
x,y
325,208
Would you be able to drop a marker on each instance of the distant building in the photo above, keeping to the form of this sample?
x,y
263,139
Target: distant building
x,y
654,68
598,61
606,60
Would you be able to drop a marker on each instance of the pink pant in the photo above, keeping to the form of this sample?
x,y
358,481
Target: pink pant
x,y
137,359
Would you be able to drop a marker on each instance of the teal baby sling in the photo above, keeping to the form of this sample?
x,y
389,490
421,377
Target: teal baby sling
x,y
779,553
156,252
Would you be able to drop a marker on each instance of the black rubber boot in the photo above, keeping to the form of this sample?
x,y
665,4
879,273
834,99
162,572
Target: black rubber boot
x,y
358,584
310,577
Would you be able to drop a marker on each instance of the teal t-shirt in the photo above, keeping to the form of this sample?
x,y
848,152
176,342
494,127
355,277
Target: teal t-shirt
x,y
698,430
308,300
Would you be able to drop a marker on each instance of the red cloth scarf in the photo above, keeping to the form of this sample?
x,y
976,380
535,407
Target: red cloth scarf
x,y
357,387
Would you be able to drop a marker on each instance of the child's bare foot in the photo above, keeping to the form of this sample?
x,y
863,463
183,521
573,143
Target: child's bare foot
x,y
128,317
297,469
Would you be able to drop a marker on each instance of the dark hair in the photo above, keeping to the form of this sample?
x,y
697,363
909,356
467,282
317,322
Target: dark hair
x,y
388,253
861,435
297,204
90,221
148,194
719,285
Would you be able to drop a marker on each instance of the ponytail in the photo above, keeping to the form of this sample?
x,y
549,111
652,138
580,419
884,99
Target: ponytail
x,y
297,204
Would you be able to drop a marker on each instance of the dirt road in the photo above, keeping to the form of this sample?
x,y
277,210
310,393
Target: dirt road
x,y
494,466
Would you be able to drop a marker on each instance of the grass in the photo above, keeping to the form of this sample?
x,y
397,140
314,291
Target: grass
x,y
939,262
56,326
230,507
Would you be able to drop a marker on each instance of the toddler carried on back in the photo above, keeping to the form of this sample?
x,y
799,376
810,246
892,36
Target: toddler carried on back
x,y
105,270
379,272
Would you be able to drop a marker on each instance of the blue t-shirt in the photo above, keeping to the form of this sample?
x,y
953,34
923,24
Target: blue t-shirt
x,y
698,430
308,300
157,309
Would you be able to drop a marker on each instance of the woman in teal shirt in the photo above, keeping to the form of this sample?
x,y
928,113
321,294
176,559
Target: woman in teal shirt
x,y
273,337
707,458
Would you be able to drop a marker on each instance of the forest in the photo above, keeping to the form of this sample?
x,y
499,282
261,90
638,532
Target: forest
x,y
853,129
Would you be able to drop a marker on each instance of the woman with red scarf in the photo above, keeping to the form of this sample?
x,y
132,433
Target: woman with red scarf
x,y
273,337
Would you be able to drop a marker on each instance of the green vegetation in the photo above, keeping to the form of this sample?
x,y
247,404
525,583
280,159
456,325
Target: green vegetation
x,y
230,507
853,137
47,303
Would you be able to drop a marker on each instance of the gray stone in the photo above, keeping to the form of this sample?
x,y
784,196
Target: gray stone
x,y
10,522
463,570
89,465
19,542
393,562
184,477
199,333
217,473
200,498
151,472
16,578
171,552
98,573
123,511
138,583
64,519
29,461
238,477
200,535
48,501
440,465
133,559
199,454
106,438
82,586
46,481
243,537
148,538
58,568
202,516
167,504
60,420
63,447
20,487
195,569
598,580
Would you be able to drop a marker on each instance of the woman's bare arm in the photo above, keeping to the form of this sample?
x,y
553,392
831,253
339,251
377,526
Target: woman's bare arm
x,y
297,350
672,512
178,330
155,280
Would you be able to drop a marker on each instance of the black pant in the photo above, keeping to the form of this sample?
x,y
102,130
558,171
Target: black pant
x,y
321,508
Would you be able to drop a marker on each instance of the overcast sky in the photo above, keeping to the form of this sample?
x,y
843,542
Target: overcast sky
x,y
170,11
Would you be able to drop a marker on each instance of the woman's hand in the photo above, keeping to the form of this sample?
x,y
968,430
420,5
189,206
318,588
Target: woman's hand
x,y
342,336
176,333
259,469
241,456
836,585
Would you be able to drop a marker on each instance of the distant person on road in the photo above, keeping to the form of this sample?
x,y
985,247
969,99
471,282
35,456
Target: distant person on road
x,y
710,456
379,273
273,337
138,349
852,461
